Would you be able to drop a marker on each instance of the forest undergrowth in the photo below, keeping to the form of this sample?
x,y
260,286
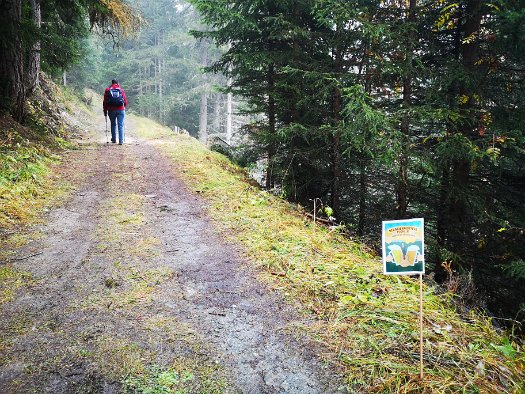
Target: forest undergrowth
x,y
27,153
366,321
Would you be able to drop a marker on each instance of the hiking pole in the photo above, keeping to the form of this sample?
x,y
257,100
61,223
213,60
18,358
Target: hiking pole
x,y
107,140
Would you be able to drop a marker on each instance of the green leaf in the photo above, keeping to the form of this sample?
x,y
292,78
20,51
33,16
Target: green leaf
x,y
328,211
506,349
515,269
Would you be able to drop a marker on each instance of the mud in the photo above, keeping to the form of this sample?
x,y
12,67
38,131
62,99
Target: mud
x,y
130,273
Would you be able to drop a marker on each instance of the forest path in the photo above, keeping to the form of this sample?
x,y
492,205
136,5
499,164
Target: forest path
x,y
132,287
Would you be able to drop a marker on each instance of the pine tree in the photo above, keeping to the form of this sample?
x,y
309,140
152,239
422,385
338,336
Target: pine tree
x,y
22,37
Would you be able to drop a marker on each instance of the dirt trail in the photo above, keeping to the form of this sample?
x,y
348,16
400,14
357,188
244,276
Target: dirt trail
x,y
129,277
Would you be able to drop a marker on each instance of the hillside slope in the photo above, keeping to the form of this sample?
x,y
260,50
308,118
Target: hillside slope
x,y
125,283
366,320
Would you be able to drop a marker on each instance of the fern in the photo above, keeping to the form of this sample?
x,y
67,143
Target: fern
x,y
516,269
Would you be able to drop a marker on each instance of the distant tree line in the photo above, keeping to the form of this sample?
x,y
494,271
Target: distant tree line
x,y
393,109
161,70
48,35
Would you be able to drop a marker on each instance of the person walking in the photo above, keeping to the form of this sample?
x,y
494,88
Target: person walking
x,y
115,103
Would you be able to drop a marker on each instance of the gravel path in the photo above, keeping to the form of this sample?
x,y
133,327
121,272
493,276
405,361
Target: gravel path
x,y
129,277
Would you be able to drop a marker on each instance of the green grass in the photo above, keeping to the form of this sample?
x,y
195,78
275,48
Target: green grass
x,y
130,364
10,281
183,377
27,156
366,321
29,152
23,174
127,363
128,289
27,186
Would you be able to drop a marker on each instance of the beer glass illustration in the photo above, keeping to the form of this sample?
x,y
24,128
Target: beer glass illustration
x,y
412,254
397,253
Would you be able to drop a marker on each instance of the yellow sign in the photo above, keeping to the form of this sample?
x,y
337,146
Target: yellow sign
x,y
408,234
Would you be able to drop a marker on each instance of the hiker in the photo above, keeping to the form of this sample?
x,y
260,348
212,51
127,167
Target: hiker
x,y
115,102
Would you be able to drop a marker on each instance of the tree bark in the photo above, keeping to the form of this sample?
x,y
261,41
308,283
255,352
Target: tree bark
x,y
203,119
459,223
442,214
229,106
363,191
12,89
217,115
161,93
402,182
33,68
336,141
271,126
364,65
337,159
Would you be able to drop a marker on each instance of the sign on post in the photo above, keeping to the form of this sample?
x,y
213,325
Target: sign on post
x,y
403,247
404,254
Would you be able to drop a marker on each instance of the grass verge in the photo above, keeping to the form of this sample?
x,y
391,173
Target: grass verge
x,y
27,153
181,377
365,320
25,185
28,184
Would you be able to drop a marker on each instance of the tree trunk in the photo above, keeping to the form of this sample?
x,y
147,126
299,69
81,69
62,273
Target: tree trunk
x,y
336,142
271,126
402,182
337,162
442,214
161,99
203,119
12,89
141,98
229,106
459,221
33,68
155,76
217,113
362,200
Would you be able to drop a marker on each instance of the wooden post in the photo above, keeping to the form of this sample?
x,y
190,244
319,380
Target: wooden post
x,y
315,210
421,326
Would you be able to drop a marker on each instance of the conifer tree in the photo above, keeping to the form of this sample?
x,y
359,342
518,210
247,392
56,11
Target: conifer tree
x,y
22,37
391,109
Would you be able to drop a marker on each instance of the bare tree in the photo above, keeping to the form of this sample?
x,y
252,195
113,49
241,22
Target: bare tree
x,y
203,118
